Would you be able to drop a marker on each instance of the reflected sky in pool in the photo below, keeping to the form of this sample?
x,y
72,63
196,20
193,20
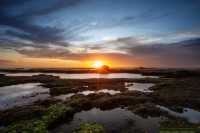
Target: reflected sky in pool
x,y
114,121
143,87
191,115
21,94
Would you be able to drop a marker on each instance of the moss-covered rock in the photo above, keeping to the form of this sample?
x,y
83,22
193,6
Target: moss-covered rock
x,y
147,109
40,125
29,126
89,128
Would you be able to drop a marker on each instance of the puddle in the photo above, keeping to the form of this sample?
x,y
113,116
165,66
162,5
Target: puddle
x,y
111,92
117,120
21,94
87,92
191,115
143,87
64,96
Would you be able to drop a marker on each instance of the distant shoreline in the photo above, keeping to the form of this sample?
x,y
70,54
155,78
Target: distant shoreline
x,y
143,71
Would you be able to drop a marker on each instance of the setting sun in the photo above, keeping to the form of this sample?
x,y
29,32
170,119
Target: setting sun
x,y
97,64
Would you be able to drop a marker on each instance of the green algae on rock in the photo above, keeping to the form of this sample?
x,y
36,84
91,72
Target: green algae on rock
x,y
89,128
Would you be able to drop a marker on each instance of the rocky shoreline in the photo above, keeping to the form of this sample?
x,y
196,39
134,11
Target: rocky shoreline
x,y
176,91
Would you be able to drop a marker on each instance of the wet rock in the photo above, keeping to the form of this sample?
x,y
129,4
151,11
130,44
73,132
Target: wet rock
x,y
21,113
147,109
2,75
89,128
178,92
53,115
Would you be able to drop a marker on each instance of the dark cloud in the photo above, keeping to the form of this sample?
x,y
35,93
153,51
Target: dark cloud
x,y
181,54
95,47
37,34
48,7
45,52
58,5
12,44
4,4
145,17
23,27
17,44
61,53
128,41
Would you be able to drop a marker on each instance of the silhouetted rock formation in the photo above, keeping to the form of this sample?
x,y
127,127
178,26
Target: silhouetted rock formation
x,y
104,69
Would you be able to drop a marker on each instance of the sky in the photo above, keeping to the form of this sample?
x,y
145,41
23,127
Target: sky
x,y
121,33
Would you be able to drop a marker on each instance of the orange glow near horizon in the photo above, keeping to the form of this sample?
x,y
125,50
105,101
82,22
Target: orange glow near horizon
x,y
98,64
15,60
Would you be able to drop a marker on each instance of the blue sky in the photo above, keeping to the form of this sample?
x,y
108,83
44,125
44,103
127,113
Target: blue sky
x,y
95,26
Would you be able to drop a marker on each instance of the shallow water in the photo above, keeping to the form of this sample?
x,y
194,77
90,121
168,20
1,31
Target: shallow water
x,y
87,92
111,92
143,87
64,96
191,115
117,120
21,94
84,75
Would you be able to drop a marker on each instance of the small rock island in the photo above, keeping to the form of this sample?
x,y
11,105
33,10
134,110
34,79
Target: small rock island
x,y
103,69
